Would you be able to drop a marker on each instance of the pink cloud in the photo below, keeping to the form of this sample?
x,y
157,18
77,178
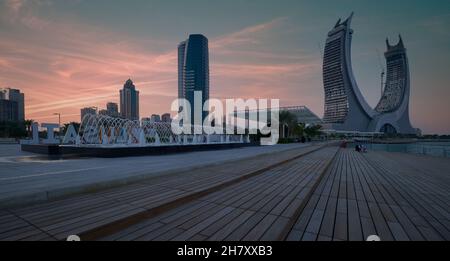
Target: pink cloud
x,y
63,67
14,5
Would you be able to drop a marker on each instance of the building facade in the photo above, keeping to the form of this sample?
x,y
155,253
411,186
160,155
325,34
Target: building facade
x,y
129,101
16,96
145,120
345,109
155,118
193,70
86,111
303,115
166,118
9,110
103,112
112,109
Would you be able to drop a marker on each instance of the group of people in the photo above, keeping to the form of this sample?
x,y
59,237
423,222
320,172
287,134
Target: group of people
x,y
361,148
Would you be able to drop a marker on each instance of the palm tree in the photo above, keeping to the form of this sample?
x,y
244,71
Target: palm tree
x,y
76,125
313,130
28,124
288,122
299,130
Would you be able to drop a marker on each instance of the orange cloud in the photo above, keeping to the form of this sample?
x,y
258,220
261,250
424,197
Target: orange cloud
x,y
63,67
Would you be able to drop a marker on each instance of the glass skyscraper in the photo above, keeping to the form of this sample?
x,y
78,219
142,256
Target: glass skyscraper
x,y
18,97
193,70
129,101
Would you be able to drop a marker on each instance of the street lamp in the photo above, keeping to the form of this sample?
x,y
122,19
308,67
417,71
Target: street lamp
x,y
59,122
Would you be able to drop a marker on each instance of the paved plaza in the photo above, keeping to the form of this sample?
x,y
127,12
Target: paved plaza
x,y
28,178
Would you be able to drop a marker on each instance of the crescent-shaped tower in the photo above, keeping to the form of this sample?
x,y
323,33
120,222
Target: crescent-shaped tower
x,y
393,108
345,108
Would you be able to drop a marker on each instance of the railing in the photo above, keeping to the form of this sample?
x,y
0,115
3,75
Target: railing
x,y
422,149
8,141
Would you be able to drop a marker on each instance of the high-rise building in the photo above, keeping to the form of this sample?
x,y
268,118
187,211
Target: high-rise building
x,y
341,90
103,112
8,110
193,70
146,120
129,101
181,62
18,97
155,118
88,110
112,109
345,107
166,118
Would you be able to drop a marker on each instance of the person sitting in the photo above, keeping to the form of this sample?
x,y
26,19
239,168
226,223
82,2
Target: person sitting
x,y
364,149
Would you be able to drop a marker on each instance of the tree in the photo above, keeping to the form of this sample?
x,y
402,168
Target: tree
x,y
12,129
28,124
299,130
288,123
76,125
313,131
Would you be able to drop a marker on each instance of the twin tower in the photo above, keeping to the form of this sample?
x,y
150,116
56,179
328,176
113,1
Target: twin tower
x,y
345,107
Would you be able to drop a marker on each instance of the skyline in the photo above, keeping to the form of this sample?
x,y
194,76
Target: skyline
x,y
76,54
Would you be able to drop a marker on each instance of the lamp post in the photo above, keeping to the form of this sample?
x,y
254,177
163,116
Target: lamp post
x,y
59,122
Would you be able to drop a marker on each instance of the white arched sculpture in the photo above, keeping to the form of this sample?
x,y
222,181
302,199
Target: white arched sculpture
x,y
102,130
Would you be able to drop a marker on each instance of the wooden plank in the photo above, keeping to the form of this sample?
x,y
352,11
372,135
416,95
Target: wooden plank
x,y
315,222
211,230
398,231
294,235
256,232
202,217
194,206
412,232
381,226
340,227
302,221
307,236
137,232
368,227
238,228
327,227
275,230
354,222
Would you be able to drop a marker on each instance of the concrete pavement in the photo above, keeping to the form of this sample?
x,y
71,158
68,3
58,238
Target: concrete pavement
x,y
26,178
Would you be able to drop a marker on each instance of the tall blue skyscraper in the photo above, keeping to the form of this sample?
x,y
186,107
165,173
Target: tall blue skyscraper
x,y
129,101
193,70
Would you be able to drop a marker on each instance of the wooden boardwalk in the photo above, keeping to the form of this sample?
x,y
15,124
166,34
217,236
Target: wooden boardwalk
x,y
259,208
305,194
384,194
81,214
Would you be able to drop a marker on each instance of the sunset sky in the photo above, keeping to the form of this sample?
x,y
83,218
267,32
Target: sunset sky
x,y
69,54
